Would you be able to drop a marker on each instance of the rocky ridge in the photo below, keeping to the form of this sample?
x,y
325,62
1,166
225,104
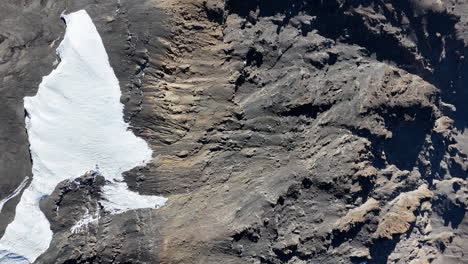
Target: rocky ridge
x,y
283,131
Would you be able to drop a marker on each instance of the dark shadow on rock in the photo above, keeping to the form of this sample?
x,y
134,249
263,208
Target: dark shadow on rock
x,y
451,213
339,238
382,249
307,110
408,138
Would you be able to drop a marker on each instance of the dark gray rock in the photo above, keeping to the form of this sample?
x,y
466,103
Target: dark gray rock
x,y
29,34
283,132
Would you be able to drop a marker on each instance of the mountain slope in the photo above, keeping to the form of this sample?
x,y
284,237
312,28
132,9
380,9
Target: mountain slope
x,y
285,132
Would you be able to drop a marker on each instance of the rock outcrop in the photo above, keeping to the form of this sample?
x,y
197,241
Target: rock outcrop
x,y
283,131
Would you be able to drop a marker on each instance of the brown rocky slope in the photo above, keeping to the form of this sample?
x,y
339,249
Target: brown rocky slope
x,y
283,131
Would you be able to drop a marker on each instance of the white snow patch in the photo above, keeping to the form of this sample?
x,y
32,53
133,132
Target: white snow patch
x,y
85,222
15,192
12,258
75,122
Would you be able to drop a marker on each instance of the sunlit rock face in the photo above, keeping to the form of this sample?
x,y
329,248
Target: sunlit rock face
x,y
283,131
75,125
